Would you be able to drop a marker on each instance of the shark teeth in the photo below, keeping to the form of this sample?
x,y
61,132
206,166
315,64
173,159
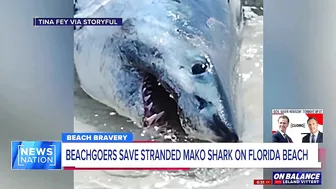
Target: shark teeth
x,y
149,107
151,116
159,115
147,97
154,118
150,119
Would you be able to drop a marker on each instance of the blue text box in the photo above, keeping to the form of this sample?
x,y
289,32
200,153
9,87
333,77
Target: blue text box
x,y
97,137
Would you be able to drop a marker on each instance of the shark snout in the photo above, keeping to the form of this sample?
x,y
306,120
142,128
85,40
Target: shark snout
x,y
222,132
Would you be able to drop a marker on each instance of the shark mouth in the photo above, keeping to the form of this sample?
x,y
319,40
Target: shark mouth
x,y
161,111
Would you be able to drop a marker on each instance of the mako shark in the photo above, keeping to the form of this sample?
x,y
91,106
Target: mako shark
x,y
169,67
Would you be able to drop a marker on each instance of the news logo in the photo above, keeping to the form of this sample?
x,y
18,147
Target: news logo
x,y
297,178
35,155
297,125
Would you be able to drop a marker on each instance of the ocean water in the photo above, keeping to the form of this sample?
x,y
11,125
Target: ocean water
x,y
92,116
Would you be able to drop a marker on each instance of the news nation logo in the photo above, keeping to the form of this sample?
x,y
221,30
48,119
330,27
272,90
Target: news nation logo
x,y
297,178
29,155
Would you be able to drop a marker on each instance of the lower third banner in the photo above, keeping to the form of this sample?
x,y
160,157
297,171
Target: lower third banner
x,y
107,151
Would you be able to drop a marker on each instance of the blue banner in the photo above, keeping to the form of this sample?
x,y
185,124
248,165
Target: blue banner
x,y
77,21
32,155
297,178
97,137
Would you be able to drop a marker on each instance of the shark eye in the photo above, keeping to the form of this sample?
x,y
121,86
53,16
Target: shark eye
x,y
199,68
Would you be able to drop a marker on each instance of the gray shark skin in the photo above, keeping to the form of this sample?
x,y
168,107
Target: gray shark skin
x,y
169,68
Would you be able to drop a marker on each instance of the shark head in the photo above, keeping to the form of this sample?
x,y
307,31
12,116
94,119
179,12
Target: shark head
x,y
180,89
158,76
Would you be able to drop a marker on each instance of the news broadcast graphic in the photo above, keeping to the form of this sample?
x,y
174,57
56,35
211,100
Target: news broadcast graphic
x,y
33,155
118,151
98,151
77,21
298,129
297,178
